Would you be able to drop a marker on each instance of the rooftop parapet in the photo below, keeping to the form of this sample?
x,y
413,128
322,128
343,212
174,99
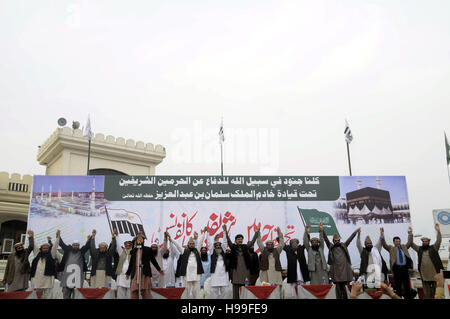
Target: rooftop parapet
x,y
99,144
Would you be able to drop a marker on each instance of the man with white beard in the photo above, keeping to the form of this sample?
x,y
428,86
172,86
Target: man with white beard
x,y
170,256
190,266
219,270
123,284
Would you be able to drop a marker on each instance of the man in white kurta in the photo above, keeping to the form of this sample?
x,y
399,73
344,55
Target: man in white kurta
x,y
122,283
293,278
374,270
157,278
219,278
169,261
192,279
40,281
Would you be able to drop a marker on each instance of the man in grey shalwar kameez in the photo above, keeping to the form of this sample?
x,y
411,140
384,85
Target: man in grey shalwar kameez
x,y
341,272
317,265
73,266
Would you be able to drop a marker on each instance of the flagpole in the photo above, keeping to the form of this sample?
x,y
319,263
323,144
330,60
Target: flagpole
x,y
448,172
447,151
109,221
221,140
221,158
349,163
89,155
301,217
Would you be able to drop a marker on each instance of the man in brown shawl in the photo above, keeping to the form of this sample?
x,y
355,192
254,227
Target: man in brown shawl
x,y
270,265
18,267
430,263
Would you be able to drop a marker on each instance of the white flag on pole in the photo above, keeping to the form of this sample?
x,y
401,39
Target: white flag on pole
x,y
221,133
87,130
348,133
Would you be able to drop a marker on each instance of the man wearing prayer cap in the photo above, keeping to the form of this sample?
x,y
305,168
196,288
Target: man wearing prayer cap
x,y
190,265
317,265
123,284
18,267
270,264
205,256
43,269
297,268
341,272
102,261
372,267
73,265
430,263
220,280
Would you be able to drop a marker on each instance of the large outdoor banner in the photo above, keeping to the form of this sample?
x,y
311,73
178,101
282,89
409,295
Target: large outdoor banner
x,y
183,204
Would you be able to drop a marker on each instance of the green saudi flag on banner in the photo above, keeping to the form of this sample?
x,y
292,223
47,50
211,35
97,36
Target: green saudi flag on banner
x,y
313,217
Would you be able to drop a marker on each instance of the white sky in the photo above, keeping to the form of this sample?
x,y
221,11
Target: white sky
x,y
288,71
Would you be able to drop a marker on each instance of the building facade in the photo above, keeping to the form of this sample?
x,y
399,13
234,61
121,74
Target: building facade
x,y
65,152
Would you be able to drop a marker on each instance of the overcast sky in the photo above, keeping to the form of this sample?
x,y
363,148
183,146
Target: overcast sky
x,y
283,74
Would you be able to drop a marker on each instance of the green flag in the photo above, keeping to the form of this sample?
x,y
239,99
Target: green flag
x,y
447,149
313,217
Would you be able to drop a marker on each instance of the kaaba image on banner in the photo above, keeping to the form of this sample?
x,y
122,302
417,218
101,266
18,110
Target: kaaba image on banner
x,y
371,205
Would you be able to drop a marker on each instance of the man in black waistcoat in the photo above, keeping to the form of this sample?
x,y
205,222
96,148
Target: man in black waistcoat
x,y
297,268
43,270
372,267
219,269
190,266
102,261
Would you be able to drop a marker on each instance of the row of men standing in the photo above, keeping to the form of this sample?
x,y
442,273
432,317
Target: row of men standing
x,y
190,266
